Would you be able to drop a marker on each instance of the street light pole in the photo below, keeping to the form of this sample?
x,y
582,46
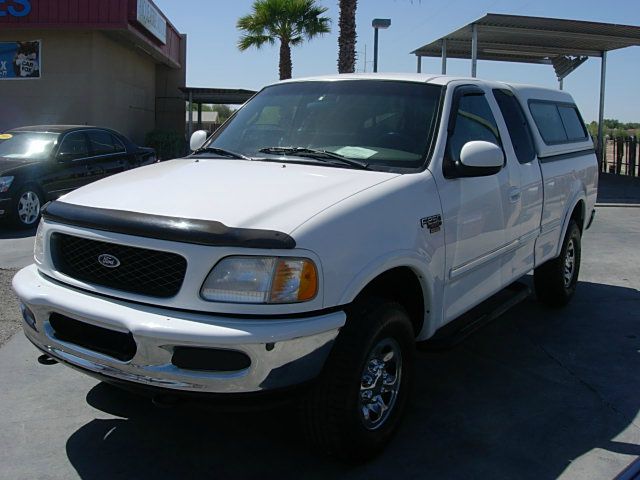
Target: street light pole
x,y
377,24
375,49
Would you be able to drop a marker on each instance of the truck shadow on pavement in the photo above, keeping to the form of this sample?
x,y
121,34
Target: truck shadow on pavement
x,y
522,398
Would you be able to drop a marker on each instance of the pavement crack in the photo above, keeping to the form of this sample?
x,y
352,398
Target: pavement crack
x,y
580,380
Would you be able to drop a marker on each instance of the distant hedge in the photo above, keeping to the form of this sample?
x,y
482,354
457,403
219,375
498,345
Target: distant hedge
x,y
167,144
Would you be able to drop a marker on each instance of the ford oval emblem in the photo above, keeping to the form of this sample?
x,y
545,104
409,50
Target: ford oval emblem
x,y
108,261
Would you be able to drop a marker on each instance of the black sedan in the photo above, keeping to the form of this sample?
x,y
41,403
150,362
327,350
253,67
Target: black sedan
x,y
38,164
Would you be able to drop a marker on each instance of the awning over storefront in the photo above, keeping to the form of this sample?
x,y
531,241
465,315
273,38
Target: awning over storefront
x,y
217,96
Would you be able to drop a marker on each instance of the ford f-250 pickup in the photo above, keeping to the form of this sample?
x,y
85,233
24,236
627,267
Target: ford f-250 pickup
x,y
327,227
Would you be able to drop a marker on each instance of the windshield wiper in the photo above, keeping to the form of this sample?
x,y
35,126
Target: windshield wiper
x,y
316,154
220,151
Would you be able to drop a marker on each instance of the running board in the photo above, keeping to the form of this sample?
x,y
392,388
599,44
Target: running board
x,y
459,329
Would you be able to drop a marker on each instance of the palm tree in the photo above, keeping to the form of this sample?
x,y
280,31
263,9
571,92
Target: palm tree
x,y
347,38
289,21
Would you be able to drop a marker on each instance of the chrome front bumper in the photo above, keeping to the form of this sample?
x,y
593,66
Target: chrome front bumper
x,y
283,352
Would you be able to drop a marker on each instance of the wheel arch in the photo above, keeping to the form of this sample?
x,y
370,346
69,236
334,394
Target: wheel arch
x,y
577,212
407,282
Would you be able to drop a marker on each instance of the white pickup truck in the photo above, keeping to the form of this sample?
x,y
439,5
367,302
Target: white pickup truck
x,y
327,227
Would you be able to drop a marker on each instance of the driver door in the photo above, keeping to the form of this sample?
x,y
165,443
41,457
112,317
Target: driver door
x,y
476,210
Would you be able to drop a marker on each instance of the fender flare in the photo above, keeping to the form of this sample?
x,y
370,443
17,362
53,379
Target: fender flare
x,y
579,196
399,259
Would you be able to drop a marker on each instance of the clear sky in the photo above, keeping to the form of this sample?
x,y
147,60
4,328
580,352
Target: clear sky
x,y
213,59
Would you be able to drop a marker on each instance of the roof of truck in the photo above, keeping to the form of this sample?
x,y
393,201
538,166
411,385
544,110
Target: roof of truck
x,y
525,92
433,78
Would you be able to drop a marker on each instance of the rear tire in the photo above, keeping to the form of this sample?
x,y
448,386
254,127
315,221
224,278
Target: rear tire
x,y
555,281
356,405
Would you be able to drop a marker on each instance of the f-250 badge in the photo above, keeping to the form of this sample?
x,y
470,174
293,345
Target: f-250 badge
x,y
433,223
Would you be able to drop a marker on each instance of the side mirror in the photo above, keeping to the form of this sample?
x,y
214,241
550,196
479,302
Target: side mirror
x,y
64,157
479,159
197,139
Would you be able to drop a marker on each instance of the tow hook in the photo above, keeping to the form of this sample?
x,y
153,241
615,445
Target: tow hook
x,y
45,359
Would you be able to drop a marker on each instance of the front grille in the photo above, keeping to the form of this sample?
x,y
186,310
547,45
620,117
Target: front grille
x,y
115,344
131,269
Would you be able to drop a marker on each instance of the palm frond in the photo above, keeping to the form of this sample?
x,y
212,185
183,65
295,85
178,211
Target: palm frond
x,y
253,40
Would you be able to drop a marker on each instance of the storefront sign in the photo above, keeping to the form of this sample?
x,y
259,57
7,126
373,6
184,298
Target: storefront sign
x,y
151,19
15,8
19,60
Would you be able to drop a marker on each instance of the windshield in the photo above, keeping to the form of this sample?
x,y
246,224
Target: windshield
x,y
385,123
27,145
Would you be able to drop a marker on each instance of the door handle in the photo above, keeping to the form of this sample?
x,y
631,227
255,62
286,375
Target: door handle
x,y
514,194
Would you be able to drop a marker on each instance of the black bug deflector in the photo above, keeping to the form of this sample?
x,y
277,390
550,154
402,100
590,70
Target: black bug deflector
x,y
185,230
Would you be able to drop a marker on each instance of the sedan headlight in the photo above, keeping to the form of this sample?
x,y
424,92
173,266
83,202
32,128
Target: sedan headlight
x,y
261,280
5,183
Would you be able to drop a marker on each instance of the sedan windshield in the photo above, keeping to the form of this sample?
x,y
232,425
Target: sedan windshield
x,y
384,123
27,145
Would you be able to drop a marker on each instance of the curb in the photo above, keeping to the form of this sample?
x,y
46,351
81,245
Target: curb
x,y
619,205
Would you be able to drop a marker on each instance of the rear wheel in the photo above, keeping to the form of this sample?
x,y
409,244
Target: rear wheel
x,y
555,281
357,404
26,211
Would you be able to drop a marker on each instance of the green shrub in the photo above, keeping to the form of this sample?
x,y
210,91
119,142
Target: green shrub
x,y
167,144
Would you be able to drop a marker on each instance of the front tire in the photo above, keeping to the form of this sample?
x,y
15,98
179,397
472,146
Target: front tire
x,y
26,209
556,280
356,405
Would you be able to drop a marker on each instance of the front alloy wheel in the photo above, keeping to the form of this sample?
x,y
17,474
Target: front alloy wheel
x,y
28,208
356,405
380,383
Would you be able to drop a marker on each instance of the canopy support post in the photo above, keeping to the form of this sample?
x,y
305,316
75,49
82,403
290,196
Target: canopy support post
x,y
444,56
419,67
190,114
603,75
474,50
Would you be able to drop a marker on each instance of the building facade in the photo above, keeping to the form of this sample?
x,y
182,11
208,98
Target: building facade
x,y
113,63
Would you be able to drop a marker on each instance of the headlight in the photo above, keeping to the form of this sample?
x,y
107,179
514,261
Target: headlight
x,y
38,245
5,183
261,280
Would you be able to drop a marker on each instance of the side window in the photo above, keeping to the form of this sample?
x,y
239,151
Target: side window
x,y
558,122
548,121
516,124
74,147
101,143
118,145
572,122
474,121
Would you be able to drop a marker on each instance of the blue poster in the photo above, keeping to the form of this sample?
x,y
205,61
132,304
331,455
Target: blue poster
x,y
19,60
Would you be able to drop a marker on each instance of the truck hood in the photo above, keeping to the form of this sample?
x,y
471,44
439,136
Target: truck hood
x,y
238,193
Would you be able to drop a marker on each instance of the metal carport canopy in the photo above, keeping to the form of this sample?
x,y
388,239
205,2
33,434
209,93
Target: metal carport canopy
x,y
217,96
564,44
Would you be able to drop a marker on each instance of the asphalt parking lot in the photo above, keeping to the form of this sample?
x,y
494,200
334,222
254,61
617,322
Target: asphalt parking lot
x,y
536,394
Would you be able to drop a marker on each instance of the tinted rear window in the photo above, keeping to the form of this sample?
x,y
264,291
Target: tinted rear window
x,y
557,122
572,122
102,143
548,121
